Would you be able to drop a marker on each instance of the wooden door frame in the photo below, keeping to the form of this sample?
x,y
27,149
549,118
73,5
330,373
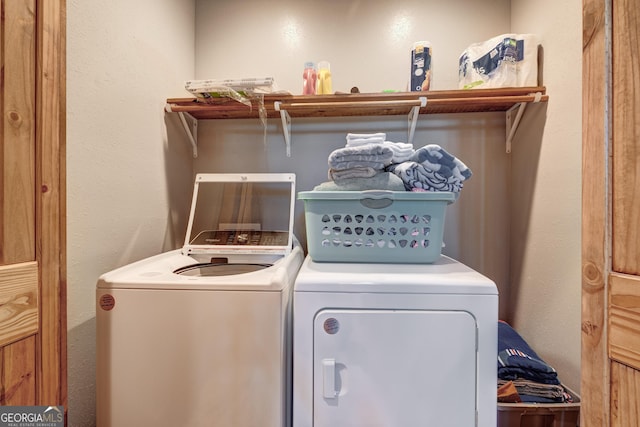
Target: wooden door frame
x,y
51,200
596,220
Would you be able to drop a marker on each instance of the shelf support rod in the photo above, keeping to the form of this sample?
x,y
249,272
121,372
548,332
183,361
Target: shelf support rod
x,y
513,122
286,126
191,129
413,117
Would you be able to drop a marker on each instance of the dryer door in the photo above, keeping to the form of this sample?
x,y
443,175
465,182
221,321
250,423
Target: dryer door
x,y
394,368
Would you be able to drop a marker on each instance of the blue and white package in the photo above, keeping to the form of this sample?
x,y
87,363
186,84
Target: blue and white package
x,y
508,60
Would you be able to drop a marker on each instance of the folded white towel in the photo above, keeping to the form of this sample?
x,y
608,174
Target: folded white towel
x,y
363,141
402,151
380,135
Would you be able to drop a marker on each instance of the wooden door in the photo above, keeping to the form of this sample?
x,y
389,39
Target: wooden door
x,y
32,206
611,214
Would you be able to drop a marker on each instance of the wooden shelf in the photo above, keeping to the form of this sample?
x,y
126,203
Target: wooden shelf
x,y
509,100
362,104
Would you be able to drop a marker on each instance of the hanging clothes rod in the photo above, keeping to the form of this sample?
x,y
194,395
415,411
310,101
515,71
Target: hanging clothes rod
x,y
283,105
284,108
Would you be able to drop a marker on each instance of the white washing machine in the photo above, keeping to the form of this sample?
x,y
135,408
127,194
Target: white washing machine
x,y
394,345
200,336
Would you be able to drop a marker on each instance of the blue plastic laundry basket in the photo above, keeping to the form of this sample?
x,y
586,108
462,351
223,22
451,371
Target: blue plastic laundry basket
x,y
375,226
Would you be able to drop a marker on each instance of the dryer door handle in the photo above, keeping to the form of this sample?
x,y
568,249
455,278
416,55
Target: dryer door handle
x,y
329,379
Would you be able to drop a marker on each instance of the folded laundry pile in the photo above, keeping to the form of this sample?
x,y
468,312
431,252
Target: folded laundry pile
x,y
360,164
397,166
361,161
520,366
402,151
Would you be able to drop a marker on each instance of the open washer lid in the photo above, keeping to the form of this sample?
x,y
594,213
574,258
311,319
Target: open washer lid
x,y
241,213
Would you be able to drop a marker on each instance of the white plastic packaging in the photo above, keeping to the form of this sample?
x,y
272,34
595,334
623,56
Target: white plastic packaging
x,y
507,60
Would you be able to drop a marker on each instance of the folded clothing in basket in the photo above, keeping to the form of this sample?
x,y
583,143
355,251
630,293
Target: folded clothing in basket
x,y
367,155
437,159
520,368
432,168
533,392
370,155
416,176
354,139
516,359
379,181
402,151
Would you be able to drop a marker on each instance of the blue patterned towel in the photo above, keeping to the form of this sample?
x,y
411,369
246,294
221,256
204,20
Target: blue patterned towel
x,y
437,159
416,176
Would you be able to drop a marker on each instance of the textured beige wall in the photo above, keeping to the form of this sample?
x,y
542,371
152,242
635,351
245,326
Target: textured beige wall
x,y
545,300
124,177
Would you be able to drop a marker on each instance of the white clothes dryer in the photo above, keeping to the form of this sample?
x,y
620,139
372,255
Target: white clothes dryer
x,y
394,345
201,335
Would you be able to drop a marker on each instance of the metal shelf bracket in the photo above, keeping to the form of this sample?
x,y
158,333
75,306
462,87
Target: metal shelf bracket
x,y
286,126
513,117
413,117
190,125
